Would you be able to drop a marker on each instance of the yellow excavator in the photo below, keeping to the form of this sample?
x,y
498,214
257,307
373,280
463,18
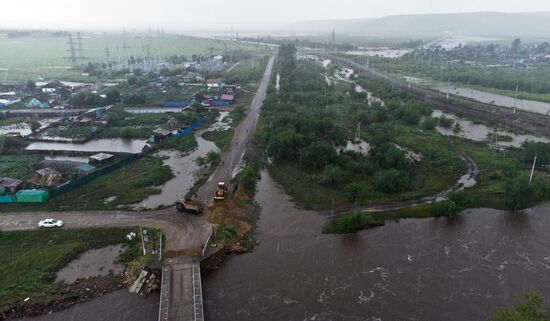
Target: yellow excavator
x,y
221,190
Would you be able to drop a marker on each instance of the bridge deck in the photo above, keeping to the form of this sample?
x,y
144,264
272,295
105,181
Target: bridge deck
x,y
181,292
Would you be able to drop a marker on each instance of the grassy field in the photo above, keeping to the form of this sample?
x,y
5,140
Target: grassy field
x,y
43,55
30,259
127,185
17,166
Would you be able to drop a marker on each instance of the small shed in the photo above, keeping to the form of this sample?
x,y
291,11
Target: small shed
x,y
85,169
227,97
161,134
35,103
101,158
46,177
32,196
2,105
10,185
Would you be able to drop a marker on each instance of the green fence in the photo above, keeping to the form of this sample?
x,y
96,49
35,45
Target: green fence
x,y
88,178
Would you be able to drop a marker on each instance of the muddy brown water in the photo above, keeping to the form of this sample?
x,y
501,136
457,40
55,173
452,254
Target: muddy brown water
x,y
499,100
116,145
95,262
117,306
430,269
184,169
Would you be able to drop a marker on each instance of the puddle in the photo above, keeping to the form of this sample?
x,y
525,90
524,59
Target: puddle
x,y
63,158
379,52
24,129
370,97
481,132
360,146
183,167
499,100
96,262
116,145
222,122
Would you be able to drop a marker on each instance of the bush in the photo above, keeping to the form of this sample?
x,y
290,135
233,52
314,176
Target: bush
x,y
226,232
351,223
520,194
429,123
391,181
248,178
446,208
446,122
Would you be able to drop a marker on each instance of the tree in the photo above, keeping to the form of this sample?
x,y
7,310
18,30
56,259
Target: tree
x,y
248,178
516,45
113,96
34,126
520,194
391,181
319,154
532,310
31,86
355,192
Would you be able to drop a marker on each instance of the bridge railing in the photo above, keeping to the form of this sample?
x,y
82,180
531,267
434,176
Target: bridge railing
x,y
165,294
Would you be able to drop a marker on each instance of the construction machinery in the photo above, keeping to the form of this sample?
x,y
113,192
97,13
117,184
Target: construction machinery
x,y
189,206
221,190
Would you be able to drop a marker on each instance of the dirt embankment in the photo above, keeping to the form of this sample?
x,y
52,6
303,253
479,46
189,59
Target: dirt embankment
x,y
81,291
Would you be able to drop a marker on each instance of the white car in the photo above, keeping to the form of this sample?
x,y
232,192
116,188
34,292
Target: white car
x,y
50,222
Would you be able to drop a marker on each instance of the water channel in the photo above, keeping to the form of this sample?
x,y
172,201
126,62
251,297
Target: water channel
x,y
184,168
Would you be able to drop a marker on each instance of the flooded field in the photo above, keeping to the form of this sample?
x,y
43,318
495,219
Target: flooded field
x,y
499,100
96,262
24,129
183,167
430,269
116,145
379,52
481,132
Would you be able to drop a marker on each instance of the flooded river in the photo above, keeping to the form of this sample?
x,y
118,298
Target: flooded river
x,y
430,269
116,145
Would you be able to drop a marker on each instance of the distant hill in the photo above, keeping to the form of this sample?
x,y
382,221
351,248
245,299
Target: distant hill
x,y
470,24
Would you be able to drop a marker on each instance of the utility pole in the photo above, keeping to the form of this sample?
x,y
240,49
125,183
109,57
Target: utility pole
x,y
533,170
80,45
141,231
71,49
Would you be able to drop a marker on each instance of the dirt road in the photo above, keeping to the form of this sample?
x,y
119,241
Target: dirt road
x,y
233,158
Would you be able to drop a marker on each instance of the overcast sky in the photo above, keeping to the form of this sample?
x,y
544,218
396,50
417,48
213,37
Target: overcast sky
x,y
242,14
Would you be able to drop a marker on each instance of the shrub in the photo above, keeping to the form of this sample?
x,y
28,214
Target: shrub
x,y
391,181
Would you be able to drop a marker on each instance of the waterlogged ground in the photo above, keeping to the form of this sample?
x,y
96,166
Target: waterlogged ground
x,y
96,262
115,145
499,100
184,167
481,132
431,269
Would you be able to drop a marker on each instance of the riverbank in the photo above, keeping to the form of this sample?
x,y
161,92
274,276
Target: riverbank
x,y
51,270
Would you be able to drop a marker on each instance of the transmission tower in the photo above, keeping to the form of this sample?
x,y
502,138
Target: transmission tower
x,y
71,50
80,47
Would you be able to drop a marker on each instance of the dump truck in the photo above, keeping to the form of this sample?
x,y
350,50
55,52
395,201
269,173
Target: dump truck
x,y
221,190
189,206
